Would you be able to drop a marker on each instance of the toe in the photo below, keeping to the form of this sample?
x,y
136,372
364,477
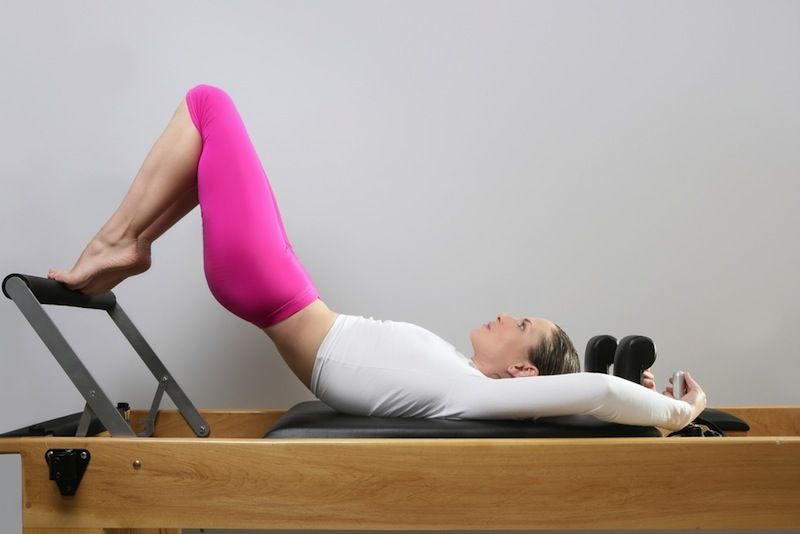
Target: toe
x,y
64,278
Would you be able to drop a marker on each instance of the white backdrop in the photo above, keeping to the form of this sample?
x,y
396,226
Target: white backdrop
x,y
618,167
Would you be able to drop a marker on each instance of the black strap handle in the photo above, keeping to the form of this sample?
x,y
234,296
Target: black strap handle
x,y
49,291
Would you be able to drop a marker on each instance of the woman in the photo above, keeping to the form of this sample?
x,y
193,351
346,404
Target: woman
x,y
355,364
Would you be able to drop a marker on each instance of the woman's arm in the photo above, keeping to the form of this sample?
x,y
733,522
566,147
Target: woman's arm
x,y
606,397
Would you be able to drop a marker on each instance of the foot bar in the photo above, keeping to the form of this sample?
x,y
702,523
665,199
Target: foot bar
x,y
30,292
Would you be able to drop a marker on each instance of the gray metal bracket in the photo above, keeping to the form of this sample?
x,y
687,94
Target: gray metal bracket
x,y
17,288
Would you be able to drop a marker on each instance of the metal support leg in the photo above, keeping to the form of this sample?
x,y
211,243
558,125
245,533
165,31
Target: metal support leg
x,y
83,424
170,386
150,422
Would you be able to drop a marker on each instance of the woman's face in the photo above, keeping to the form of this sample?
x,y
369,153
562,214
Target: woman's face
x,y
504,343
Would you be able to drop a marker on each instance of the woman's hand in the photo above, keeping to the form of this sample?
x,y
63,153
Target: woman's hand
x,y
648,380
694,394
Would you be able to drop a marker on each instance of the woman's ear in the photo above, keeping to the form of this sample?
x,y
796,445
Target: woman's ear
x,y
523,369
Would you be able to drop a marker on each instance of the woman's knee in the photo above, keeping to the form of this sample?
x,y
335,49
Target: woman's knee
x,y
209,91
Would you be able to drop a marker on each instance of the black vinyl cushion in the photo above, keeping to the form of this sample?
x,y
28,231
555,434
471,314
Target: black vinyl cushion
x,y
723,420
60,426
315,419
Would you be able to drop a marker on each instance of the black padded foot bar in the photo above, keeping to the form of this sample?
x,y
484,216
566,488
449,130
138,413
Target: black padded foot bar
x,y
315,419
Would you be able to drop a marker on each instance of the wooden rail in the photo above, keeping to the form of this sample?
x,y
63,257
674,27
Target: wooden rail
x,y
244,482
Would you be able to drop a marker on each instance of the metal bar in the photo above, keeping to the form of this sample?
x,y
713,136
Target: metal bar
x,y
86,420
150,420
190,414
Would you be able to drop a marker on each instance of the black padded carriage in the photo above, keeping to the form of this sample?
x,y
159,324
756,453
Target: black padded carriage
x,y
315,419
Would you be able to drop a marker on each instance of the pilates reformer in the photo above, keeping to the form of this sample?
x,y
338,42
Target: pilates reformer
x,y
109,469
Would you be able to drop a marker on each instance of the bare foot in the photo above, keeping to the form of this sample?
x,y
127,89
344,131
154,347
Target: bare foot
x,y
104,264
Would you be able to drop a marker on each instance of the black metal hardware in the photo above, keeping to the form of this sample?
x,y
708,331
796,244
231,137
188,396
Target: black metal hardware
x,y
67,467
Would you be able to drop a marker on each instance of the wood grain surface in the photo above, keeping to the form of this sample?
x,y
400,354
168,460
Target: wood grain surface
x,y
750,482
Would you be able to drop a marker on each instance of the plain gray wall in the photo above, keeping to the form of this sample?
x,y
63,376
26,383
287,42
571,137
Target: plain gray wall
x,y
619,167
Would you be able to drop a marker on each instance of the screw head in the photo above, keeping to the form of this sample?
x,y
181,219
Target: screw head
x,y
202,429
92,394
164,378
84,455
137,465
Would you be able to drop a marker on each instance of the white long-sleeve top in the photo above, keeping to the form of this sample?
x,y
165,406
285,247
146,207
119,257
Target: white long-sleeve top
x,y
372,367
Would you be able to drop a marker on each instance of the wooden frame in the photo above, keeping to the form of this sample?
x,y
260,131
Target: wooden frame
x,y
236,480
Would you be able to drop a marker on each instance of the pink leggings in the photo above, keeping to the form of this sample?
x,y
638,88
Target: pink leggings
x,y
249,263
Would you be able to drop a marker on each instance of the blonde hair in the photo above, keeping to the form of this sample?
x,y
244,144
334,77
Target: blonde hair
x,y
556,355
